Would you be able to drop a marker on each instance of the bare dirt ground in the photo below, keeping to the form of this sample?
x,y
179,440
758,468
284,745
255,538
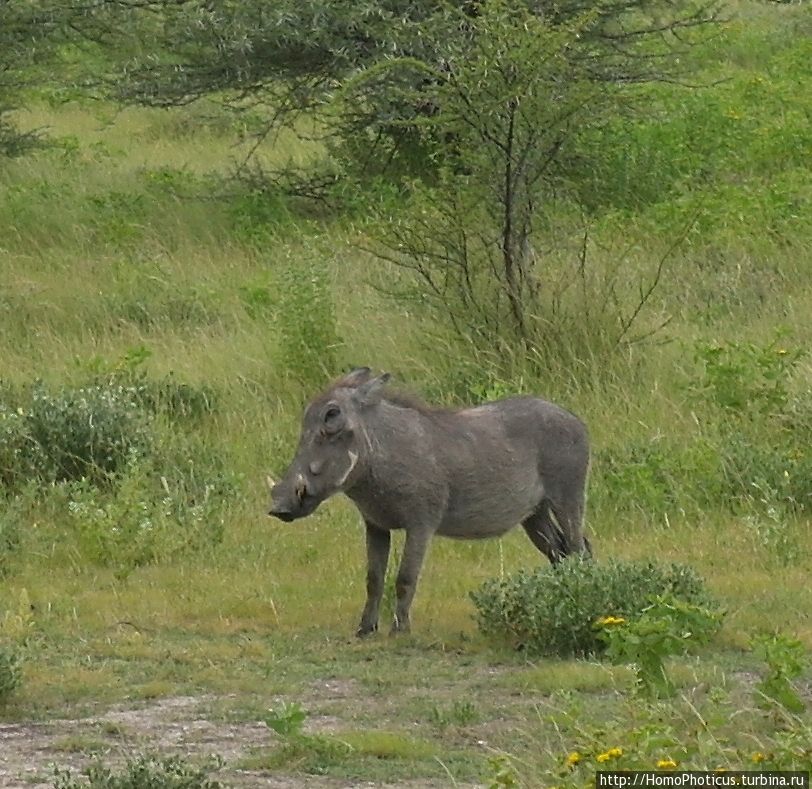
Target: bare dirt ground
x,y
29,751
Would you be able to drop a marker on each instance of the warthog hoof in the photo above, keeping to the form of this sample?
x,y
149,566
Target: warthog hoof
x,y
366,630
399,628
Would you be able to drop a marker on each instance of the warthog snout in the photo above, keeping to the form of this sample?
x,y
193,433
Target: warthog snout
x,y
279,511
291,498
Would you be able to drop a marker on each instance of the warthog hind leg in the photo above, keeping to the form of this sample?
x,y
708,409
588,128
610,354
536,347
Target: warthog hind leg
x,y
568,515
545,533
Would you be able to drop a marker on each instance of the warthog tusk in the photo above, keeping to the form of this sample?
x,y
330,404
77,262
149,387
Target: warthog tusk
x,y
269,479
353,460
301,487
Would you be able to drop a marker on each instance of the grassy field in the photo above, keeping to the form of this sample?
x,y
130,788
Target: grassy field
x,y
123,258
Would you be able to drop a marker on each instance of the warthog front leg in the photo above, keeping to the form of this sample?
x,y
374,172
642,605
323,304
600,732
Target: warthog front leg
x,y
414,551
377,559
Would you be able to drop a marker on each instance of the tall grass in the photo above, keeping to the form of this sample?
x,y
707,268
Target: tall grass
x,y
122,239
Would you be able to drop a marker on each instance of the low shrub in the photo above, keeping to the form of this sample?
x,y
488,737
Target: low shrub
x,y
147,518
311,753
117,218
666,627
143,772
553,610
258,214
744,378
286,719
96,431
756,432
70,434
786,660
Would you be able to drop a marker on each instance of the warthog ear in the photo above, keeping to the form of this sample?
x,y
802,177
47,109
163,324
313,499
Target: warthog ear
x,y
371,391
355,377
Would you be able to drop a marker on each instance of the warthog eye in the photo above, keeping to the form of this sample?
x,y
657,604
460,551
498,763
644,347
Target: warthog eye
x,y
333,419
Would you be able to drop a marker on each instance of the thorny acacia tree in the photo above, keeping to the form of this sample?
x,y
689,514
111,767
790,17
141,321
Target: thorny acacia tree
x,y
470,107
508,104
277,61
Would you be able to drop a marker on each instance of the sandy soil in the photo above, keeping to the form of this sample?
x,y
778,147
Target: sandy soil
x,y
29,751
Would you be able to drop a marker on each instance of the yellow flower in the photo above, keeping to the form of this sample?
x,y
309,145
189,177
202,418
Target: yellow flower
x,y
782,351
757,757
610,620
612,753
666,764
573,759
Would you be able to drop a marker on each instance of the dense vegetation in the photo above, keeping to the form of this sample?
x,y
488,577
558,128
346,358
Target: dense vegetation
x,y
175,281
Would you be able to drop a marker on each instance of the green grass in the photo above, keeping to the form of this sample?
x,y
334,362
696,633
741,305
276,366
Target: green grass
x,y
79,744
119,238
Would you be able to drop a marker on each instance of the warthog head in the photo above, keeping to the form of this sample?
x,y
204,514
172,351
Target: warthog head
x,y
332,447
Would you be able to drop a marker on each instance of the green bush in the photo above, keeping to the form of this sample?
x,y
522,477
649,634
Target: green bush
x,y
765,451
666,627
553,610
286,719
87,432
754,124
761,431
143,772
257,299
70,434
10,673
93,431
744,377
786,661
311,753
147,518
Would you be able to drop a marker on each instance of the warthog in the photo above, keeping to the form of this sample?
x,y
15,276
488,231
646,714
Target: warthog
x,y
469,473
